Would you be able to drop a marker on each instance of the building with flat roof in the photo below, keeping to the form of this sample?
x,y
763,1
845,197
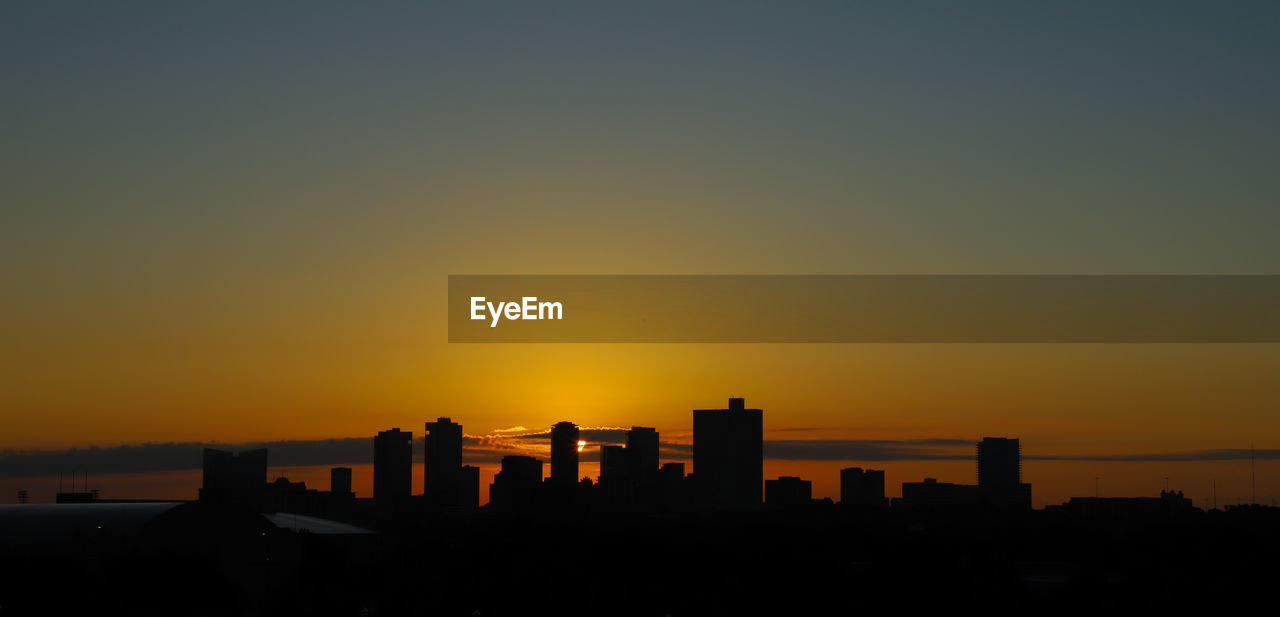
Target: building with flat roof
x,y
728,456
392,466
516,483
859,487
235,478
564,453
787,492
1000,474
442,463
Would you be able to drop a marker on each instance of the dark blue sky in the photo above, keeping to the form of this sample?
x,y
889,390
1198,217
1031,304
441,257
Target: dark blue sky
x,y
1130,137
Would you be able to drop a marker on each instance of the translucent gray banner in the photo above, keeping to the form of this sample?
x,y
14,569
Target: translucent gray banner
x,y
863,309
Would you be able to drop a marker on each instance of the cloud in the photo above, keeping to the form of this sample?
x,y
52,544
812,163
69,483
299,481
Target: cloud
x,y
173,455
868,449
590,434
491,447
809,429
1238,454
668,450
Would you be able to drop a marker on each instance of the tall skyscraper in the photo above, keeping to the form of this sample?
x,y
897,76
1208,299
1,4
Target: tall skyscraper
x,y
728,455
642,453
392,465
564,453
860,487
443,462
1000,473
999,462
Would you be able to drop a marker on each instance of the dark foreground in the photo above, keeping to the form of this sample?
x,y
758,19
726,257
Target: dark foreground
x,y
198,559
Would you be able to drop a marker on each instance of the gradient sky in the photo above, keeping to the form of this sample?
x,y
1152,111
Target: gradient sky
x,y
233,222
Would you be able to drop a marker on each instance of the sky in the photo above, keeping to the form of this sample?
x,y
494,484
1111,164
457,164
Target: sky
x,y
233,222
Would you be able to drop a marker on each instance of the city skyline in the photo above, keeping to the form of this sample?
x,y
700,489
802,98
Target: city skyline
x,y
250,242
949,460
1001,277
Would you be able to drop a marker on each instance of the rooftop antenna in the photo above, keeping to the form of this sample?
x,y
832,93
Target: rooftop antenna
x,y
59,481
1095,487
1215,493
1253,477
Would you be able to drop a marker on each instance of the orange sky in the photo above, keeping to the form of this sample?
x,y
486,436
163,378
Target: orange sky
x,y
1091,398
316,379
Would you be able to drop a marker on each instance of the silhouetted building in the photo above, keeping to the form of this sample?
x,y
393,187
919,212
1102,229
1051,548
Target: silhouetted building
x,y
516,484
787,491
1000,473
642,450
285,496
339,502
728,455
616,488
999,487
999,462
392,466
76,496
672,487
564,453
232,478
934,494
615,465
340,482
1123,508
469,486
443,463
860,487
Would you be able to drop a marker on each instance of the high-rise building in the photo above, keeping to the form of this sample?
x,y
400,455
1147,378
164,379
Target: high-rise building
x,y
642,452
340,481
728,455
564,453
235,478
392,465
999,462
1000,473
860,487
614,464
516,484
442,458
